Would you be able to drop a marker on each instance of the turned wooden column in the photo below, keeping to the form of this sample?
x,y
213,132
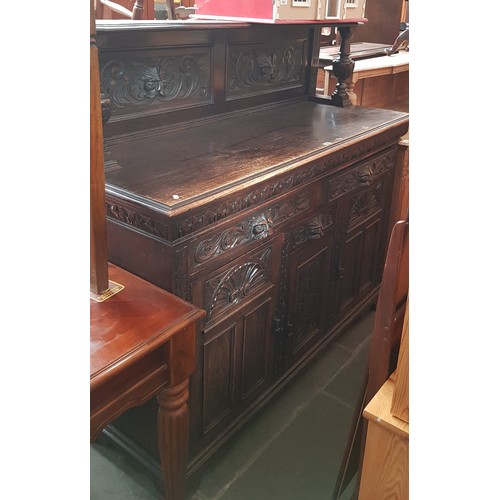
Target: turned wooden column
x,y
343,68
173,437
173,413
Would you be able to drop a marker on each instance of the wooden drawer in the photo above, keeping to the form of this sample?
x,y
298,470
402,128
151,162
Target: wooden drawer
x,y
241,235
361,175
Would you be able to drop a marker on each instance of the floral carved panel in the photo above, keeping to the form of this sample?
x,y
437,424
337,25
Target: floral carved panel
x,y
260,68
156,81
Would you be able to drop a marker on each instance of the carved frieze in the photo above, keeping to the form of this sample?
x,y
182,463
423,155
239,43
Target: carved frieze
x,y
136,220
257,68
254,197
171,80
338,185
286,182
238,282
254,228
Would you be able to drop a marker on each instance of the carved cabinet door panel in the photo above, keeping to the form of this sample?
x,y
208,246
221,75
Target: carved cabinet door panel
x,y
309,285
235,363
235,350
362,231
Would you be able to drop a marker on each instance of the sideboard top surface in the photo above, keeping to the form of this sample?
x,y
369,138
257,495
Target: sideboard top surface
x,y
177,168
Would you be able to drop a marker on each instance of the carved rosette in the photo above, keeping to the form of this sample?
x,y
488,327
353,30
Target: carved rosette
x,y
142,82
237,283
262,67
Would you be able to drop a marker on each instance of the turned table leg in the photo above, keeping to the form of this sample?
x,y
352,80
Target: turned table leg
x,y
173,413
173,438
343,68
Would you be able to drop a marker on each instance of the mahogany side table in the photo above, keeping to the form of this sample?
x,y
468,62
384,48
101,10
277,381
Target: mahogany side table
x,y
142,343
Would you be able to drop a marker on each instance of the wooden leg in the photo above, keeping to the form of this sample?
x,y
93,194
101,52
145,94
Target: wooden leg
x,y
173,438
343,68
350,91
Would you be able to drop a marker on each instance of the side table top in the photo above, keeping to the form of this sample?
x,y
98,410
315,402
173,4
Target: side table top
x,y
132,323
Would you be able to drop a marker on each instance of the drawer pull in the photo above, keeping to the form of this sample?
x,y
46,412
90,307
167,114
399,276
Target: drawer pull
x,y
255,228
261,227
314,231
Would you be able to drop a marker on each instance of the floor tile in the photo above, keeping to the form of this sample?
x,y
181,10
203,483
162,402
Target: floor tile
x,y
358,332
348,382
270,422
290,450
303,461
115,475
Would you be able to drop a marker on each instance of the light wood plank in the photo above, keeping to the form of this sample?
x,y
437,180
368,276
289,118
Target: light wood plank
x,y
400,400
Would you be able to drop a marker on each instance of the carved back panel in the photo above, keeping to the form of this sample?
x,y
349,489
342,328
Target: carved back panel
x,y
172,75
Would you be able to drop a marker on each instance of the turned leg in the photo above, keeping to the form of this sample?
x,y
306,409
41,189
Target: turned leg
x,y
343,68
350,91
173,438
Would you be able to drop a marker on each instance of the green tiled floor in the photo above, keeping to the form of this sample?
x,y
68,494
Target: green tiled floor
x,y
290,451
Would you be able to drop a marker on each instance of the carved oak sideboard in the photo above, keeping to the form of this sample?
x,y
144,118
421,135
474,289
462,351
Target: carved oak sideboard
x,y
230,185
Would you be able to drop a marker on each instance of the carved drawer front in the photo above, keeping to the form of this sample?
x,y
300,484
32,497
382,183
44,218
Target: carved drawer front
x,y
363,178
242,235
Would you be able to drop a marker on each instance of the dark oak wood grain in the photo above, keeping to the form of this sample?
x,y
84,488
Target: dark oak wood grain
x,y
232,186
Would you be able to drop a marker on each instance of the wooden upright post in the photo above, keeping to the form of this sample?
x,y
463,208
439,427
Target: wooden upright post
x,y
98,245
343,68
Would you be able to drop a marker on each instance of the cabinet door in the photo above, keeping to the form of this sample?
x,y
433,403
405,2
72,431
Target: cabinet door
x,y
362,221
309,279
235,351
